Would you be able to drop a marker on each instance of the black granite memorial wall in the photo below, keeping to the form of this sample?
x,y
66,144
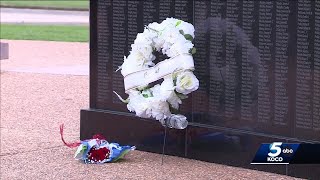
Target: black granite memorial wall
x,y
258,63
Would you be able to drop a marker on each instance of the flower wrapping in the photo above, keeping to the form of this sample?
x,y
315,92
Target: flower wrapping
x,y
97,150
101,151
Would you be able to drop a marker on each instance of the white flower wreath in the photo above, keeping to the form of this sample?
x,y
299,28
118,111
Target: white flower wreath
x,y
174,37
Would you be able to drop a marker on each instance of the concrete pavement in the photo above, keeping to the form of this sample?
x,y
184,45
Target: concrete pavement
x,y
32,57
38,16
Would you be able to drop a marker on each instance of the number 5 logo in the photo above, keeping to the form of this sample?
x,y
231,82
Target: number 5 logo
x,y
275,149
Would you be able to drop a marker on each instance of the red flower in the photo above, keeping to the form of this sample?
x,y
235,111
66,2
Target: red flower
x,y
98,154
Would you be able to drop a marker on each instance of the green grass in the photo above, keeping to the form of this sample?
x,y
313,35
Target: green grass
x,y
45,32
48,4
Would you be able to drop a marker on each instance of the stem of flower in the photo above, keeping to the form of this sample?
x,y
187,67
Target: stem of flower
x,y
121,99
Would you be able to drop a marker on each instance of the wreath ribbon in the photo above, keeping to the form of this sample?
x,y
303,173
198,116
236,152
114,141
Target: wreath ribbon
x,y
179,63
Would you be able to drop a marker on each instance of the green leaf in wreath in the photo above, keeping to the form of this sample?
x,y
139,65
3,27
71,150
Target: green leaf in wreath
x,y
181,96
173,110
188,37
193,50
181,31
147,93
178,23
174,77
142,88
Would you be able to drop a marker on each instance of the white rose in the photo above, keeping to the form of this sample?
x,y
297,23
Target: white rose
x,y
186,82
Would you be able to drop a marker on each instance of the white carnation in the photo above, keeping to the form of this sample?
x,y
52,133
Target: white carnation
x,y
171,35
186,82
156,91
167,92
169,22
150,34
138,104
181,46
151,106
142,53
155,26
158,109
129,65
165,48
158,43
142,38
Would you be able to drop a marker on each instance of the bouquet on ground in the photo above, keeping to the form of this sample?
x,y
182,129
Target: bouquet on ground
x,y
97,149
